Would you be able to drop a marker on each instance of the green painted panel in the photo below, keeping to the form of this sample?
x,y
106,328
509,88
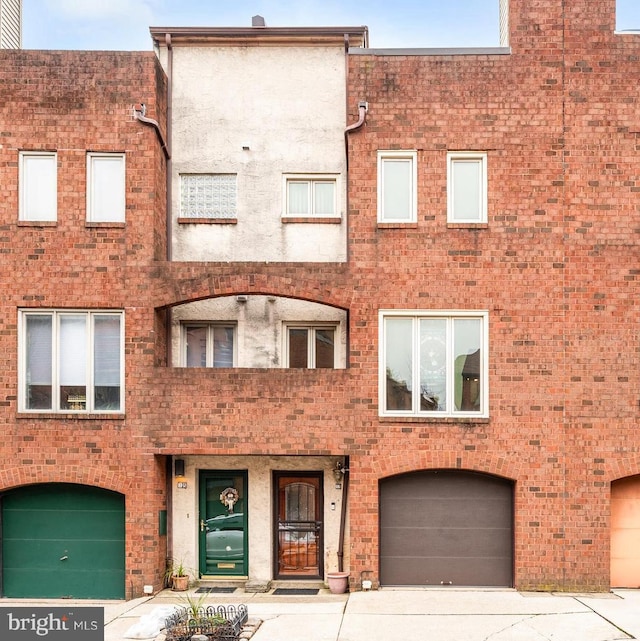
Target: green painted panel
x,y
63,540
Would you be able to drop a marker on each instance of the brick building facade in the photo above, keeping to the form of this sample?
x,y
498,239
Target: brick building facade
x,y
487,405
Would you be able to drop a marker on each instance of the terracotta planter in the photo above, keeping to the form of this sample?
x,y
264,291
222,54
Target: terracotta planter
x,y
179,583
338,582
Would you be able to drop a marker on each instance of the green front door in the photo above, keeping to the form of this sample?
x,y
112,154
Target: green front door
x,y
223,523
63,541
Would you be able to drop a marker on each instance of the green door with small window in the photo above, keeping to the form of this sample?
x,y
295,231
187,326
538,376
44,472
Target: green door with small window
x,y
62,540
223,523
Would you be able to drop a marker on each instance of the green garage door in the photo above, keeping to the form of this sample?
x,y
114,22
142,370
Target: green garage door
x,y
63,540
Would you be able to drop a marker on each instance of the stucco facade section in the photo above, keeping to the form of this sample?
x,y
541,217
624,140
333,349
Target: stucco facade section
x,y
258,113
260,499
259,324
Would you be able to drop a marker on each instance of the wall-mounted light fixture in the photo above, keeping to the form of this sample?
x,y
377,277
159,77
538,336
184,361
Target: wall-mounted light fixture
x,y
178,467
339,470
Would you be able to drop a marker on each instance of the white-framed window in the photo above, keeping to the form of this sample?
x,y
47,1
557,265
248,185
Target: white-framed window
x,y
38,186
71,361
310,346
433,363
208,345
311,195
397,186
208,196
466,187
106,201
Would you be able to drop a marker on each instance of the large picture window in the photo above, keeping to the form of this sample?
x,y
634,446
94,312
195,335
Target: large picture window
x,y
433,363
71,361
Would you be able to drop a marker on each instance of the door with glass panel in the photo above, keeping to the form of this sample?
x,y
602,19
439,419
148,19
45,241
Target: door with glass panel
x,y
298,525
223,523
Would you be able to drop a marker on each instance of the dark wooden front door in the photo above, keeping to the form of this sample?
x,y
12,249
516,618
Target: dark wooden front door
x,y
298,525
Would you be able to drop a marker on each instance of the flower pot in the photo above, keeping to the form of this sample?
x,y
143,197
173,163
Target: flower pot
x,y
179,583
338,582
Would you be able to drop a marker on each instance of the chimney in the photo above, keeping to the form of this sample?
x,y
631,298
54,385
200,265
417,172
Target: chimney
x,y
258,21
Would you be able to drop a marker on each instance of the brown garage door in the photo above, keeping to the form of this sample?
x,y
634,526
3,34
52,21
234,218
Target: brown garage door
x,y
446,528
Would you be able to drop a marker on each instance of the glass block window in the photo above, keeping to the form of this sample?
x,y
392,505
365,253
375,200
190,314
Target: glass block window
x,y
208,196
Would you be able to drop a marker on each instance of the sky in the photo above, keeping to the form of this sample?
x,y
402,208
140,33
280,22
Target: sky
x,y
124,24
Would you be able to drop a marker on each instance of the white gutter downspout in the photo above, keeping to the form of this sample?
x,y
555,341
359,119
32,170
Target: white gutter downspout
x,y
363,107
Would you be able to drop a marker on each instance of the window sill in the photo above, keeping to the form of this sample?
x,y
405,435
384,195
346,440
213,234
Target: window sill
x,y
102,224
453,420
407,225
36,223
207,221
111,416
468,225
329,220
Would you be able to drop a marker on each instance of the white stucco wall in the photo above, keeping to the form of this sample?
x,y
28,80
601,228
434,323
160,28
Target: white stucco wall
x,y
287,104
259,326
185,516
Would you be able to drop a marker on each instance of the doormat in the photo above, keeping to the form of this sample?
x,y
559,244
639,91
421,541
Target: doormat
x,y
296,591
218,590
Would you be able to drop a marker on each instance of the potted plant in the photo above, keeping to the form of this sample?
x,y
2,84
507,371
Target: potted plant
x,y
338,582
177,575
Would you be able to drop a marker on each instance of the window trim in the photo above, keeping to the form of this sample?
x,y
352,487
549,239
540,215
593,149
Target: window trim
x,y
185,325
56,315
23,187
466,156
311,343
119,216
449,315
395,155
313,179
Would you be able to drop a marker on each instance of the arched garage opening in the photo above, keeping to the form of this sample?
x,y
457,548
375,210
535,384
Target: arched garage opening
x,y
446,527
61,540
625,533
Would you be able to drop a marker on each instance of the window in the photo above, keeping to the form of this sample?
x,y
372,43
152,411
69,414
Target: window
x,y
433,363
105,188
310,196
467,187
71,361
397,191
208,345
311,347
208,196
38,186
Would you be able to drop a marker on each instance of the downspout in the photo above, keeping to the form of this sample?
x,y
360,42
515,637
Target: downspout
x,y
363,107
343,513
167,39
139,112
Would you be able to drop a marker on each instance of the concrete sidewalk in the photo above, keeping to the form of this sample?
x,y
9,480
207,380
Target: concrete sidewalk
x,y
406,614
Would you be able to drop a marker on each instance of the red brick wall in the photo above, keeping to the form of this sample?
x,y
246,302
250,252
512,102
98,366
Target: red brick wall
x,y
74,102
556,268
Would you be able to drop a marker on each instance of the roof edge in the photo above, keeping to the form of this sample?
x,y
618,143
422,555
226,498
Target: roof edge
x,y
358,36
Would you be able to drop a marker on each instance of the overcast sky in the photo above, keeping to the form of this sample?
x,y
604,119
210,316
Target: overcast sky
x,y
124,24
